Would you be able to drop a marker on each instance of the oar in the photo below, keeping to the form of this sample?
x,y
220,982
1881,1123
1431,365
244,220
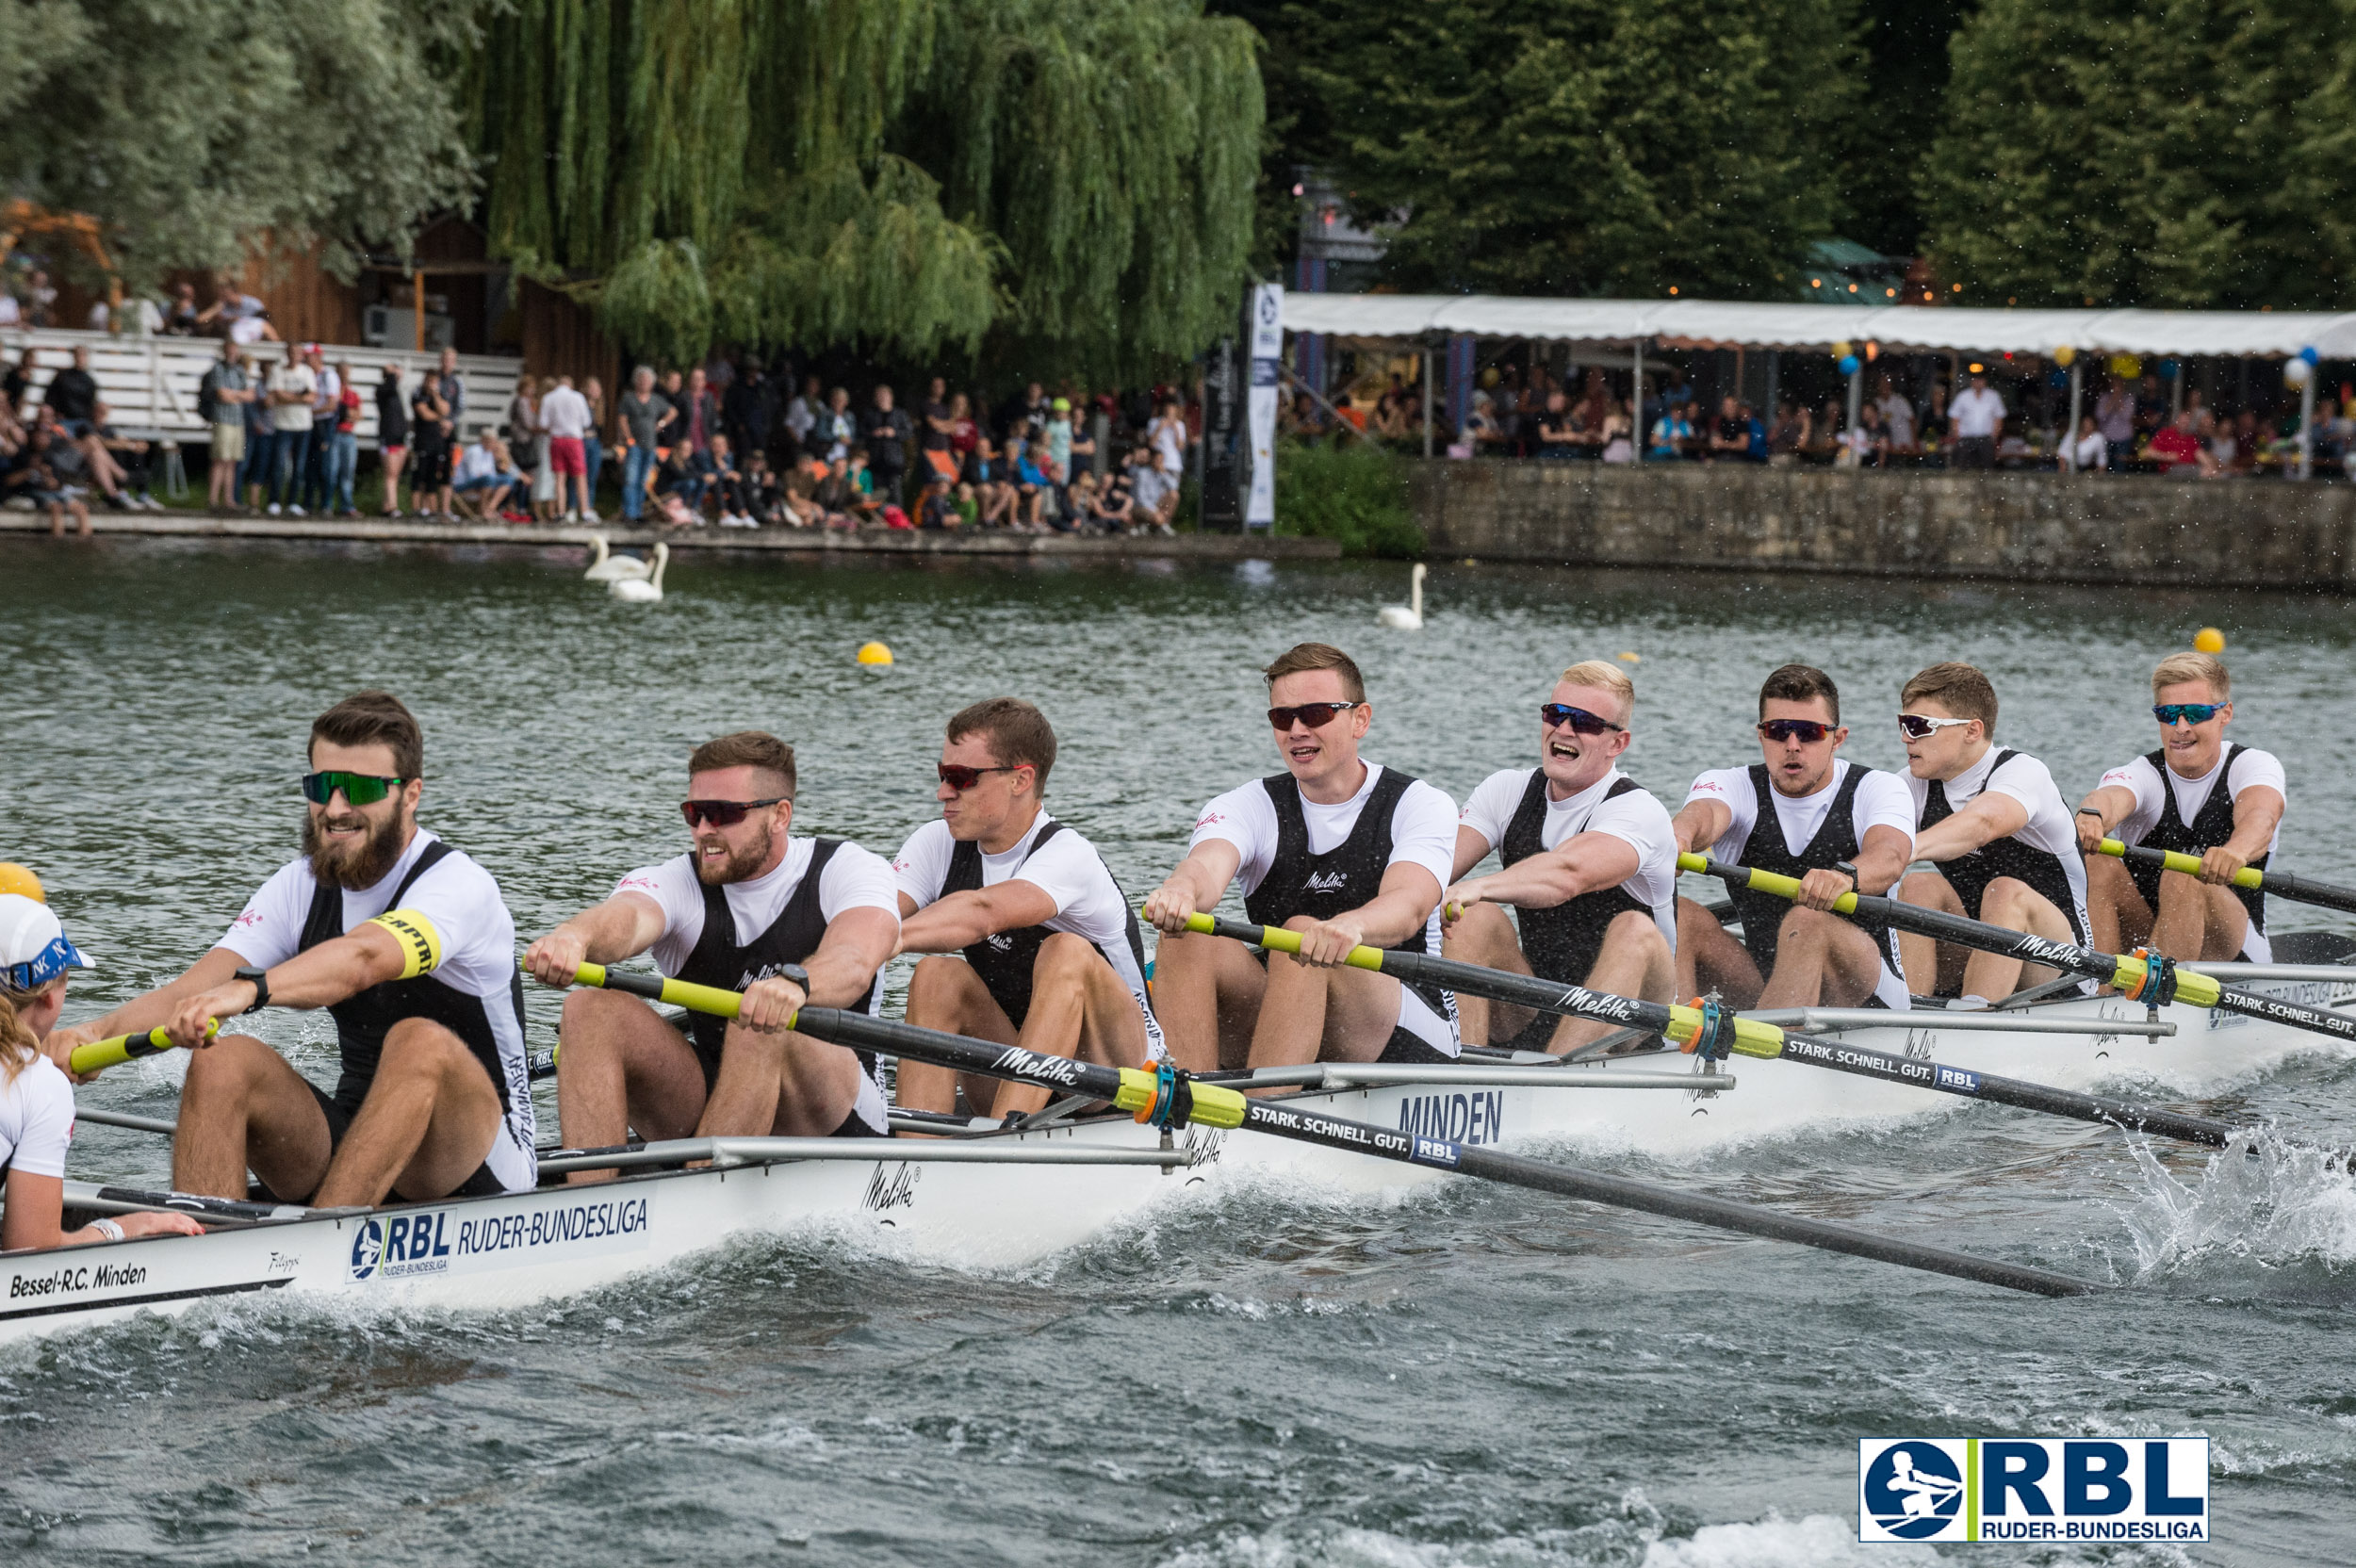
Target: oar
x,y
2300,890
1170,1098
119,1048
1744,1035
2152,980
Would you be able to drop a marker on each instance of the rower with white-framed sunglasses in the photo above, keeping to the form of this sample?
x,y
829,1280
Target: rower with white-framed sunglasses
x,y
1992,822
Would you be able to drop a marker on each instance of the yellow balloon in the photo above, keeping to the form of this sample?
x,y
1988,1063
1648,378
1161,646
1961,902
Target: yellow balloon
x,y
2063,355
21,880
1841,350
2209,640
1632,658
874,653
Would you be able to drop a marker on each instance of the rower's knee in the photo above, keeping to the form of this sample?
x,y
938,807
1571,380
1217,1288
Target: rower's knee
x,y
938,980
1063,957
1635,932
1696,919
420,1046
1479,934
2178,888
232,1062
590,1014
2106,877
1927,888
1805,927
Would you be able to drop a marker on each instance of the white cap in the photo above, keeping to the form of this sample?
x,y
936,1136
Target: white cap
x,y
33,946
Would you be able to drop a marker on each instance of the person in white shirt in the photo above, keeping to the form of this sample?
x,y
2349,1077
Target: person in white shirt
x,y
564,415
36,1101
2090,453
1995,826
1342,852
1897,416
1589,864
1808,814
1053,959
291,387
750,908
409,945
1977,414
2197,794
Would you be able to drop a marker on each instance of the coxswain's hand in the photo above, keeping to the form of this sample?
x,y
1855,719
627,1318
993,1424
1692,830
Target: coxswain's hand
x,y
189,1025
2218,866
169,1222
556,958
1460,898
58,1045
1169,907
1327,943
770,1004
1822,887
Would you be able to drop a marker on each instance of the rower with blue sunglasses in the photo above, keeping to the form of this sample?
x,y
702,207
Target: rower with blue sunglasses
x,y
2199,795
1589,864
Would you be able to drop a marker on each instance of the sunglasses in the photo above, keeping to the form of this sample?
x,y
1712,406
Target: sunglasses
x,y
360,789
723,813
1780,730
961,778
1316,715
1581,721
2189,713
1922,726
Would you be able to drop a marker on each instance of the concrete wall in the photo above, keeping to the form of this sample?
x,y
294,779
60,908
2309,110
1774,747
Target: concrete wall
x,y
2024,527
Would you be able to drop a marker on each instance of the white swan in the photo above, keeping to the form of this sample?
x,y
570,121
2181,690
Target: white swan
x,y
1409,616
605,567
648,589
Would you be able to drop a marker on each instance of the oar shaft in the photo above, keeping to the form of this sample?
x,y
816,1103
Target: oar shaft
x,y
2300,890
100,1054
1215,1106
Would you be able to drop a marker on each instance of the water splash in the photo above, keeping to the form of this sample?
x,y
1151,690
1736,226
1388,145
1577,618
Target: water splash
x,y
2261,1205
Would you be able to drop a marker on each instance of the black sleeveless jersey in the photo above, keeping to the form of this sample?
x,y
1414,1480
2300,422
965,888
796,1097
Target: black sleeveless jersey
x,y
721,959
1004,960
2212,825
363,1020
1561,943
1836,841
1969,875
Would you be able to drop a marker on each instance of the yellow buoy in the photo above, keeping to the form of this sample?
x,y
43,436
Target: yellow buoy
x,y
20,880
2209,640
874,653
1631,659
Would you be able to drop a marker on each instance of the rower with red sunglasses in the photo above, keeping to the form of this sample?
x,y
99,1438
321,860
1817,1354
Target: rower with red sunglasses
x,y
2197,794
1993,824
1052,960
1837,827
409,946
1589,865
748,908
1346,853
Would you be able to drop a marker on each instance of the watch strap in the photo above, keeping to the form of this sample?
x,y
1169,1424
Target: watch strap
x,y
259,978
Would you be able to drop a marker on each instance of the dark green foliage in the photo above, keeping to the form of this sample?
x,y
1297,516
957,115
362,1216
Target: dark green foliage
x,y
1351,491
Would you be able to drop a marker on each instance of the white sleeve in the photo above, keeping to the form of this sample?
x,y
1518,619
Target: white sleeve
x,y
2142,780
1883,800
268,930
1732,789
856,878
672,887
1489,810
463,902
922,867
46,1099
1638,821
1245,817
2256,767
1065,867
1423,830
2026,780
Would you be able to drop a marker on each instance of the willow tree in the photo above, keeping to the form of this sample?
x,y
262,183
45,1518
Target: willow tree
x,y
1074,175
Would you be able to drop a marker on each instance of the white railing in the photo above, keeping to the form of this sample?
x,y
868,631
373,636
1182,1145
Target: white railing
x,y
149,383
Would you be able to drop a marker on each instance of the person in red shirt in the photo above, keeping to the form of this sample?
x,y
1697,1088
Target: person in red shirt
x,y
2175,445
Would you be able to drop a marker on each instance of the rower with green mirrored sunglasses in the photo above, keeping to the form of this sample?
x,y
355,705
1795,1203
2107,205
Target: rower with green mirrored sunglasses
x,y
358,789
2199,795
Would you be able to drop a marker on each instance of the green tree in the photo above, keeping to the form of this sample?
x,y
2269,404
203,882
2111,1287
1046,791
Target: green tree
x,y
1605,147
190,129
1900,109
2162,154
1068,175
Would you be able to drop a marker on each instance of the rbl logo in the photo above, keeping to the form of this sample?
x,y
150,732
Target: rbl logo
x,y
2033,1489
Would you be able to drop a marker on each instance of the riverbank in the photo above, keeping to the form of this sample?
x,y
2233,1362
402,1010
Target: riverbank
x,y
872,541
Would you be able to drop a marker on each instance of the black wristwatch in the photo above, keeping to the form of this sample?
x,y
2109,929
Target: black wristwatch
x,y
260,980
1847,869
795,972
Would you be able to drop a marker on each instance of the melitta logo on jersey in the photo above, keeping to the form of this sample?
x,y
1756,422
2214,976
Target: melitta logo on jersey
x,y
1931,1489
1327,881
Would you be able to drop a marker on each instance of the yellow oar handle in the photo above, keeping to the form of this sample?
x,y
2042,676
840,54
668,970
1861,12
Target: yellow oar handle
x,y
1771,882
100,1054
678,994
2249,876
1277,939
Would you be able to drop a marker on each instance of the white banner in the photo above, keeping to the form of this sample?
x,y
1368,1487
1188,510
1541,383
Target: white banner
x,y
1267,348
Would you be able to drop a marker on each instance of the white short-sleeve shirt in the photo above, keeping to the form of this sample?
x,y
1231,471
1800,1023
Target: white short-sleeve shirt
x,y
855,878
35,1119
1066,867
2144,781
1632,816
1882,801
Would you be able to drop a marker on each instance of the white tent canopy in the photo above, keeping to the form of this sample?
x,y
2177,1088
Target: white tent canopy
x,y
1714,324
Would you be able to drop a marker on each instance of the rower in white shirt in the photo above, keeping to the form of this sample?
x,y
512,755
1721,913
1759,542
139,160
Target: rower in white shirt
x,y
2198,795
1997,829
1590,867
1808,814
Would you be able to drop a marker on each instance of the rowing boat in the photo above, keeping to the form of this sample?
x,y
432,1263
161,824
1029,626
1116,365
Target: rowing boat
x,y
1017,1197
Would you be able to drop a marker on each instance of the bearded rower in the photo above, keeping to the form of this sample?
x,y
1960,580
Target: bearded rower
x,y
1342,851
408,945
750,909
2198,795
1589,866
1837,827
1053,958
1995,825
